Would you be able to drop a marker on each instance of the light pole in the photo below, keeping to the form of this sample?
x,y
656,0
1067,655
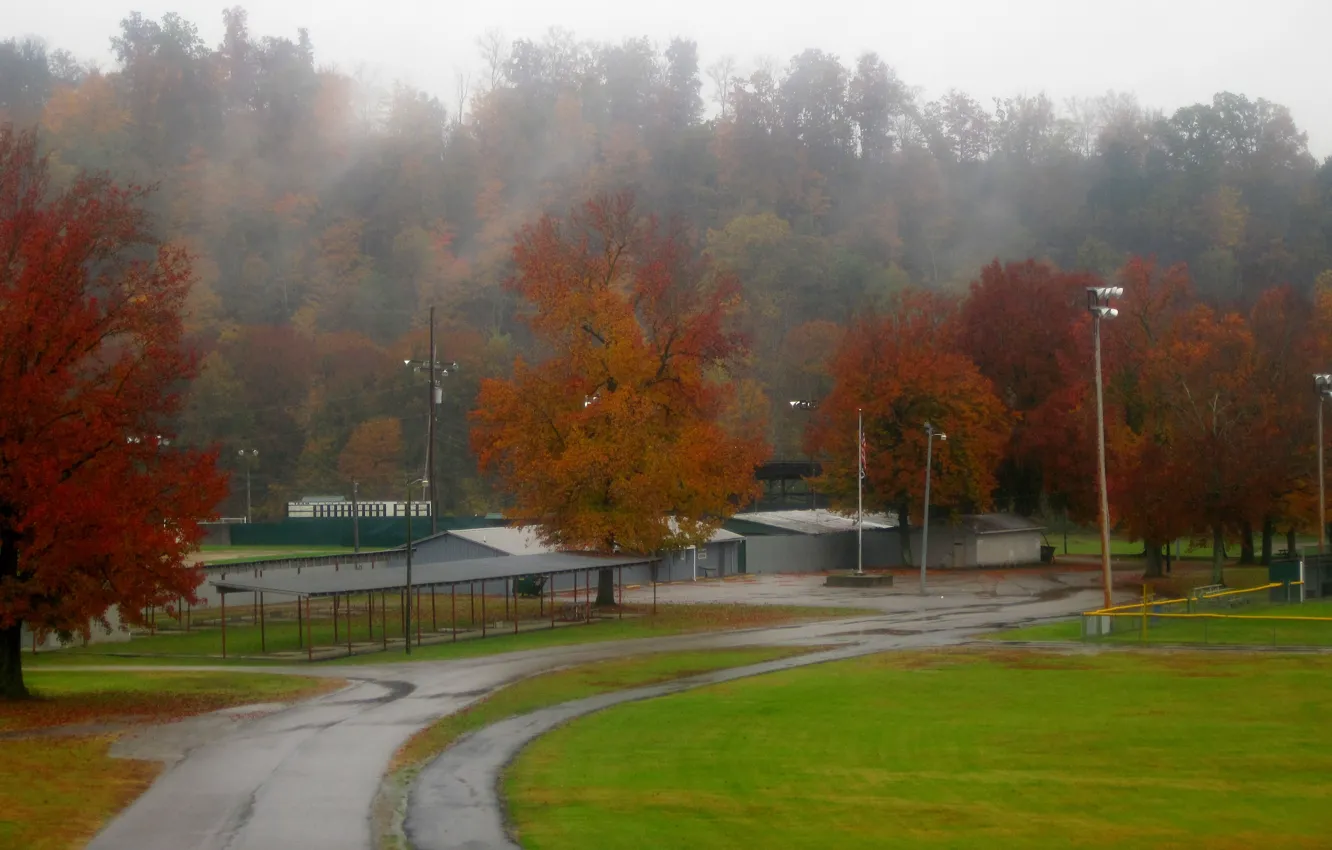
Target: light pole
x,y
356,521
435,396
248,455
407,595
925,517
1323,386
806,404
1098,304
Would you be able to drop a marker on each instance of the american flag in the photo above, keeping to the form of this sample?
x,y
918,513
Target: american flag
x,y
864,455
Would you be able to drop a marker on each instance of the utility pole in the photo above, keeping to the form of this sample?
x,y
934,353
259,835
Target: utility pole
x,y
860,501
430,438
1323,385
407,595
248,455
356,521
1098,300
925,520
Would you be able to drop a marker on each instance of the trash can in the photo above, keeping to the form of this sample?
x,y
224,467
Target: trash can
x,y
529,585
1047,554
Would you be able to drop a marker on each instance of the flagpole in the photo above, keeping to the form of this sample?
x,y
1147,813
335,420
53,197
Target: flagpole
x,y
860,499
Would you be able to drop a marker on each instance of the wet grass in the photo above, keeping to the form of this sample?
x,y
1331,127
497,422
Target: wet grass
x,y
1000,748
529,695
56,791
203,644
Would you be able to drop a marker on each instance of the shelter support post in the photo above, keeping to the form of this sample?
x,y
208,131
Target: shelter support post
x,y
513,583
416,613
300,624
335,619
434,622
309,631
223,594
383,617
453,610
483,609
552,600
263,636
619,587
587,591
349,630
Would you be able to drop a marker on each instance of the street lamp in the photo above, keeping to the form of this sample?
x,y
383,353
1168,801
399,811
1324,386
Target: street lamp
x,y
248,455
930,434
1323,386
407,597
1098,304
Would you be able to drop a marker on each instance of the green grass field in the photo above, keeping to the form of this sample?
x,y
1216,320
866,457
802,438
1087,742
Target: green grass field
x,y
223,555
1246,627
55,792
528,695
948,749
1089,543
203,645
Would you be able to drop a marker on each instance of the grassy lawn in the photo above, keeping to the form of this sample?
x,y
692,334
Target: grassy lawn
x,y
948,749
243,639
57,791
1089,543
1238,630
538,692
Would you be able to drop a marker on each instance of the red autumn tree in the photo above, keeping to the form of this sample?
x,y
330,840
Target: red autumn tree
x,y
903,370
1026,327
1282,322
1139,408
96,509
628,423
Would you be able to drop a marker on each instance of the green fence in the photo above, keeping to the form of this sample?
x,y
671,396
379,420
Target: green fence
x,y
376,532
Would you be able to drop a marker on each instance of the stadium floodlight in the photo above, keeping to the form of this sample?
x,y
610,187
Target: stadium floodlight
x,y
803,404
1098,304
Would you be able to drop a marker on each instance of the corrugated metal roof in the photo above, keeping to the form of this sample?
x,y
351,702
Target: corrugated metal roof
x,y
817,521
423,574
525,540
998,523
520,540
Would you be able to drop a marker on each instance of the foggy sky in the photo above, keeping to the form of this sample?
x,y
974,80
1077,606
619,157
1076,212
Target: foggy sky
x,y
1169,52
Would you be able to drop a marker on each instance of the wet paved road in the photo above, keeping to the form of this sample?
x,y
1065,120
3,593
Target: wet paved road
x,y
306,777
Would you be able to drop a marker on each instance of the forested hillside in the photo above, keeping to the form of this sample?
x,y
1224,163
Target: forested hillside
x,y
326,215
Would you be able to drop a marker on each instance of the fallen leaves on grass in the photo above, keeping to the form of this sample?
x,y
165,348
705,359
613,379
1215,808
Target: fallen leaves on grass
x,y
77,698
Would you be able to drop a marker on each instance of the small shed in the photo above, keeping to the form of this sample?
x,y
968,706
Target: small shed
x,y
811,541
980,540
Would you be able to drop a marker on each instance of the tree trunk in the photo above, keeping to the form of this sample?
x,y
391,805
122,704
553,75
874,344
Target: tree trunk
x,y
1218,554
1246,543
11,663
11,638
1290,541
1152,559
1269,531
605,587
904,533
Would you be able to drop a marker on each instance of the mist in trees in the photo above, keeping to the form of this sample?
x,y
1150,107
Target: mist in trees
x,y
325,211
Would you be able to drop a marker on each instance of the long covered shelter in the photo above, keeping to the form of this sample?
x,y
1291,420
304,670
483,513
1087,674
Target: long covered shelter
x,y
526,575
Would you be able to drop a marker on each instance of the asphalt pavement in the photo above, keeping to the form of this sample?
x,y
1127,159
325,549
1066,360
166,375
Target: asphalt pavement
x,y
306,776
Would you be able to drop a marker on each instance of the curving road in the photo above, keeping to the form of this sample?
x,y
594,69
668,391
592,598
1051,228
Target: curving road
x,y
306,777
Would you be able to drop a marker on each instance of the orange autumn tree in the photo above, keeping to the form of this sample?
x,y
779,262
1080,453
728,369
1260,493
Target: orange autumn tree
x,y
627,424
373,457
903,370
